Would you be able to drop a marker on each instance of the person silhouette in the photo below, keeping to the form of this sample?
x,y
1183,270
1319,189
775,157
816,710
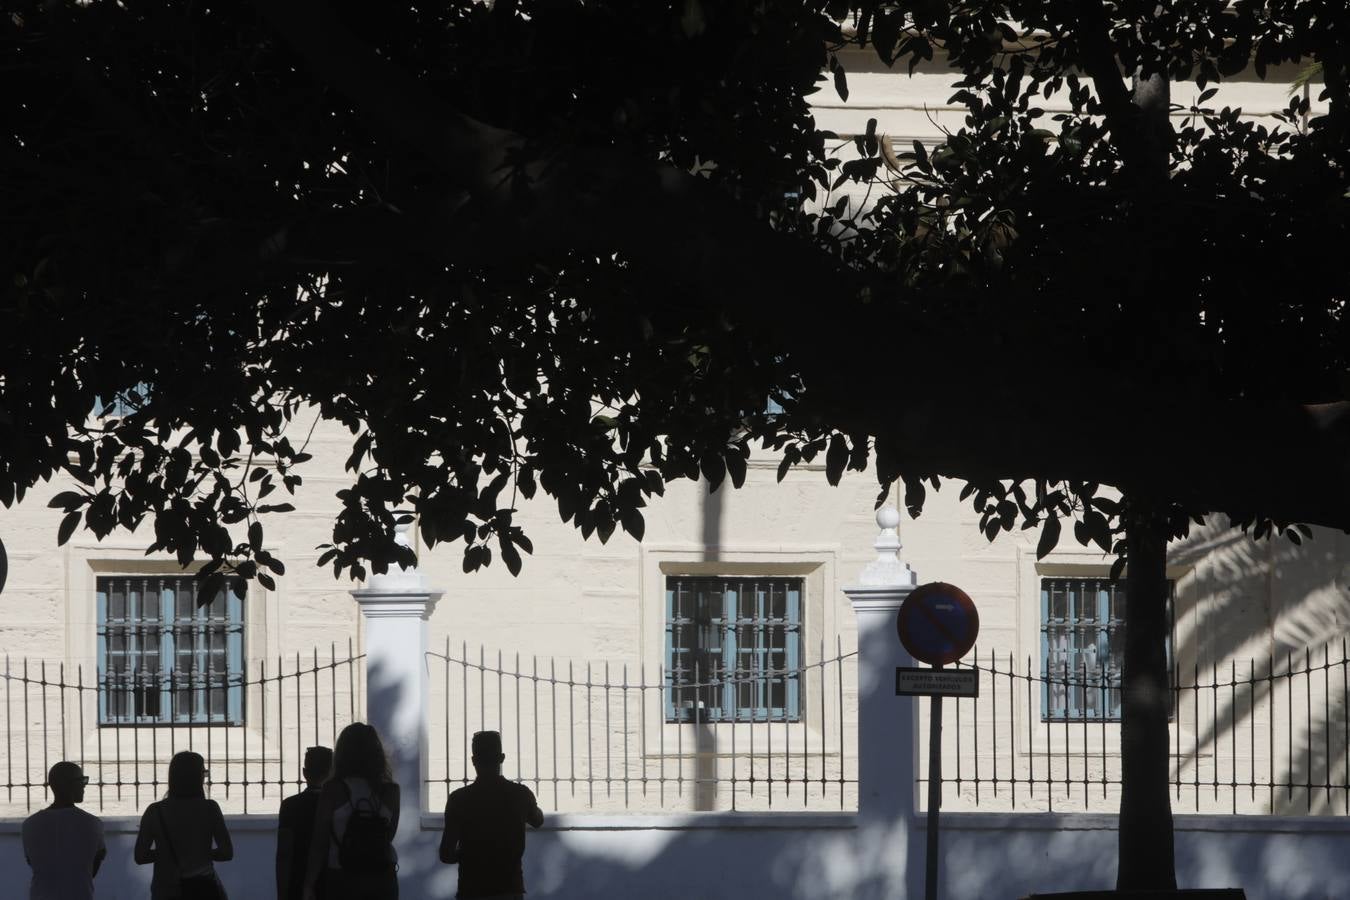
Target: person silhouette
x,y
485,827
184,835
295,826
63,844
352,852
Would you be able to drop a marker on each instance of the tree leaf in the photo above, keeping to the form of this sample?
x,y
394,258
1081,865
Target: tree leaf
x,y
66,500
209,588
69,523
1049,537
835,458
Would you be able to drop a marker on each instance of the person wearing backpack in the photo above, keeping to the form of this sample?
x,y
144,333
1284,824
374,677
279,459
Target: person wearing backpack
x,y
352,851
184,835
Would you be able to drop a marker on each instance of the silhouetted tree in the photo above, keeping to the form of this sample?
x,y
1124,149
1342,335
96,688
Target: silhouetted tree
x,y
548,244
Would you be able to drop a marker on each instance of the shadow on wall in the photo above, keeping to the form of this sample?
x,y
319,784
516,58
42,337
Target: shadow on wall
x,y
1305,624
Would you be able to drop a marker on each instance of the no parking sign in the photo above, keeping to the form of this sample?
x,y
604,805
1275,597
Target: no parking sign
x,y
937,623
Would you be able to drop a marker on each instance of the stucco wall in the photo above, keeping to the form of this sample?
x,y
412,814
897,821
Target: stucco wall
x,y
796,857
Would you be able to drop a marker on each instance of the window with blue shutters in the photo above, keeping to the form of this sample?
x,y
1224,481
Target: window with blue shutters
x,y
162,659
1083,648
733,649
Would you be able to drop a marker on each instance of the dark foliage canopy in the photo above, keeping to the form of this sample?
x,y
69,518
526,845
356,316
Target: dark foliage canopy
x,y
577,247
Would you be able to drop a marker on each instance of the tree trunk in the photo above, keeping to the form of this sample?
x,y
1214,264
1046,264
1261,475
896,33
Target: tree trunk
x,y
1147,858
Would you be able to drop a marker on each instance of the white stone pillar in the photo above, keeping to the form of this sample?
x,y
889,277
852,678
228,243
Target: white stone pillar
x,y
395,607
887,724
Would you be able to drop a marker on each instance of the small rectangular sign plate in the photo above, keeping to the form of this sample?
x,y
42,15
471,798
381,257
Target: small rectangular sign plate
x,y
911,681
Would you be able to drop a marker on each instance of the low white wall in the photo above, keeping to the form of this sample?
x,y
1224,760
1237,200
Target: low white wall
x,y
793,856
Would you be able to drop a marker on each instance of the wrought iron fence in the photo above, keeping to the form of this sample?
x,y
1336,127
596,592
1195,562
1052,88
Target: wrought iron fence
x,y
607,736
1257,736
51,711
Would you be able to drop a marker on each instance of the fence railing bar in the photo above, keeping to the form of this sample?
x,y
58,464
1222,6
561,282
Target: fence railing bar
x,y
803,695
787,738
661,735
1232,732
1214,726
735,704
520,770
1326,720
154,753
1289,732
609,745
262,731
314,684
824,718
1068,766
1307,708
624,698
332,694
445,732
768,740
27,765
464,700
79,707
679,734
535,699
1251,726
42,683
572,731
956,710
590,742
553,707
1101,709
9,743
61,693
839,682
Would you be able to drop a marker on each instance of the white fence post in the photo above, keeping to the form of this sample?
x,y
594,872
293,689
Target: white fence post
x,y
887,724
396,607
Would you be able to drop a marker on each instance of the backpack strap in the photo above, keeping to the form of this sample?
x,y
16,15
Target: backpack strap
x,y
332,825
168,841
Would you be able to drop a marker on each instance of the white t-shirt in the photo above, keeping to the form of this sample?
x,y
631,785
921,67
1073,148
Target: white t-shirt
x,y
60,845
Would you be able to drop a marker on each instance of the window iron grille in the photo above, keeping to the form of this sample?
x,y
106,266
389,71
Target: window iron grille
x,y
165,660
733,648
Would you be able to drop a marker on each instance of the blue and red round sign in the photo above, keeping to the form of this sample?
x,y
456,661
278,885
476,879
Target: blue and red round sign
x,y
937,623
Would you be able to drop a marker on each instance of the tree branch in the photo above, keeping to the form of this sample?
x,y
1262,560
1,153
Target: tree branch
x,y
933,394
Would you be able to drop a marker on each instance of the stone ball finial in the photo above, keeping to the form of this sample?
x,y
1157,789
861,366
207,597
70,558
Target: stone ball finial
x,y
887,568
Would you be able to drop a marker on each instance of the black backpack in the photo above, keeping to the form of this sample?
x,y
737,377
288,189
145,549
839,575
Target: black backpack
x,y
366,844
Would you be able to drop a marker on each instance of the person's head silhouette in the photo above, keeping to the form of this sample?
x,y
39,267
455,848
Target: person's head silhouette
x,y
487,752
318,763
187,773
67,782
359,754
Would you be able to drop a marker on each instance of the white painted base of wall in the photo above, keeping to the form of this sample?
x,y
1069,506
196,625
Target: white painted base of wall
x,y
787,856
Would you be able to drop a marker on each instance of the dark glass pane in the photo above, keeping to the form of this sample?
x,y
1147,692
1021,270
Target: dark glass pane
x,y
778,602
747,602
746,639
117,602
182,601
1058,601
777,637
1079,602
777,693
705,608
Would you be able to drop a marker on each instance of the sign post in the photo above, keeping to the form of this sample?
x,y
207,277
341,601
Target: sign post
x,y
937,624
